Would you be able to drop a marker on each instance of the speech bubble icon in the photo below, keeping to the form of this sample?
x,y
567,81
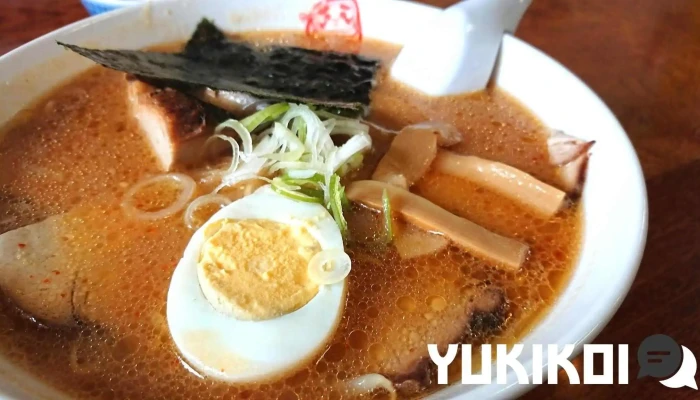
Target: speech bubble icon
x,y
686,374
658,356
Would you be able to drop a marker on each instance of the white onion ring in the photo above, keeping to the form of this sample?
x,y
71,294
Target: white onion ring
x,y
208,177
366,384
339,269
187,184
200,201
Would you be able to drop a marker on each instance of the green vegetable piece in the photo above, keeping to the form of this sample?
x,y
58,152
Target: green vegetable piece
x,y
269,113
336,205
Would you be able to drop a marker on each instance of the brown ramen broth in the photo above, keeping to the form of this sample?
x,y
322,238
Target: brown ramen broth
x,y
79,150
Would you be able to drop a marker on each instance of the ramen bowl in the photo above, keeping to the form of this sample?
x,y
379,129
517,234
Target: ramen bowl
x,y
614,200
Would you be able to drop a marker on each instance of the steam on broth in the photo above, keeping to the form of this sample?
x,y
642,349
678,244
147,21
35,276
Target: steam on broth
x,y
79,151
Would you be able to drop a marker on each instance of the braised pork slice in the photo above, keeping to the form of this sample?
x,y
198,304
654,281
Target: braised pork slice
x,y
407,363
17,211
173,122
34,275
571,156
53,269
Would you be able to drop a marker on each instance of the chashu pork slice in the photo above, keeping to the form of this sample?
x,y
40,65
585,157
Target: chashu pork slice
x,y
406,362
174,123
35,275
69,268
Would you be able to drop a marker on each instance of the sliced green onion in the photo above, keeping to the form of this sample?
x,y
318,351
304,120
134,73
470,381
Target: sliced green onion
x,y
387,216
287,140
343,198
300,173
234,147
336,204
316,193
310,186
298,196
329,266
290,166
279,182
267,114
349,127
295,193
338,113
313,181
353,163
241,130
315,130
299,128
328,115
299,150
354,145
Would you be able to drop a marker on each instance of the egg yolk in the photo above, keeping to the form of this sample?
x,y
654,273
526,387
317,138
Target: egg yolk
x,y
256,269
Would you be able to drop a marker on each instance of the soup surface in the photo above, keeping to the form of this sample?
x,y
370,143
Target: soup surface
x,y
78,150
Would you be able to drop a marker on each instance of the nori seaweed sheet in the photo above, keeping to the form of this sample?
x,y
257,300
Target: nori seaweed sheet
x,y
212,60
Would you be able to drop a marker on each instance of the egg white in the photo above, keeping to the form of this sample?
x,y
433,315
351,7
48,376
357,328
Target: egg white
x,y
227,349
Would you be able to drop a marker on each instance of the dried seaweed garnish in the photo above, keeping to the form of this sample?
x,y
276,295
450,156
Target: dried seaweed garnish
x,y
210,59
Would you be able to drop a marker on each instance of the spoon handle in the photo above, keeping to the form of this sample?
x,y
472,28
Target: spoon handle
x,y
505,13
456,53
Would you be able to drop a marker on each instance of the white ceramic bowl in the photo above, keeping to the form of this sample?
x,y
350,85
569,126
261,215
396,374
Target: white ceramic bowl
x,y
614,200
95,7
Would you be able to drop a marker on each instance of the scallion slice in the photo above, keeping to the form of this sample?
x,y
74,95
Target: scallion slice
x,y
336,204
313,180
241,130
343,198
295,192
298,150
299,128
267,114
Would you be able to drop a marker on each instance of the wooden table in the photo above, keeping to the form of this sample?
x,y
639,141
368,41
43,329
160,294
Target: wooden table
x,y
643,58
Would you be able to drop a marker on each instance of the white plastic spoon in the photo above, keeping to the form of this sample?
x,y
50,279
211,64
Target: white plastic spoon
x,y
456,52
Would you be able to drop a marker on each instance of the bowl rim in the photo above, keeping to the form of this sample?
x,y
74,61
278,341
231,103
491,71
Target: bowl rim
x,y
514,390
118,4
623,286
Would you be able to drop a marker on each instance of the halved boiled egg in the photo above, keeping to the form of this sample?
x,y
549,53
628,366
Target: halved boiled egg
x,y
247,300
